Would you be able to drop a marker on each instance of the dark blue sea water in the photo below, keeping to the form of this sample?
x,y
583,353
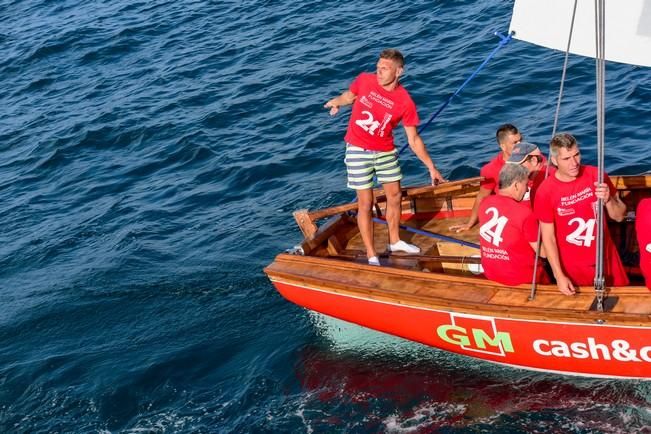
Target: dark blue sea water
x,y
151,154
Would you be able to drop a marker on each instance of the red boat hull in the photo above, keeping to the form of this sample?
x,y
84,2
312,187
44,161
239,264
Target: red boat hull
x,y
596,350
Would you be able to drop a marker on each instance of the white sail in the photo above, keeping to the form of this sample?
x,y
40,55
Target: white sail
x,y
547,23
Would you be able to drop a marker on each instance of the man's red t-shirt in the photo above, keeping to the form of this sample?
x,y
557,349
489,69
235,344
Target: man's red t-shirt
x,y
571,206
491,173
643,229
506,229
376,112
536,180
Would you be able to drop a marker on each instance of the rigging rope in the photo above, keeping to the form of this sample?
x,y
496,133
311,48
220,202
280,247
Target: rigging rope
x,y
549,154
431,234
503,41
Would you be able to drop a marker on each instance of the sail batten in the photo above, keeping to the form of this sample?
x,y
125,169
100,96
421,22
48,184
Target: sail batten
x,y
547,23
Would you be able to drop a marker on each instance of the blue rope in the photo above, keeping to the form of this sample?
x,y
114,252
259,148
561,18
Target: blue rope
x,y
431,234
503,41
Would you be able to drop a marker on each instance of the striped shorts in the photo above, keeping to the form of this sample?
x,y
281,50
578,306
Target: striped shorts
x,y
362,164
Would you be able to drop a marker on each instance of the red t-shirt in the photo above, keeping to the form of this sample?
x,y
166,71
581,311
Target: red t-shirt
x,y
376,112
506,229
491,173
536,180
571,207
643,229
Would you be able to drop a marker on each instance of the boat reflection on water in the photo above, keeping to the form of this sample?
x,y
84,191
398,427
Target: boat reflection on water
x,y
358,373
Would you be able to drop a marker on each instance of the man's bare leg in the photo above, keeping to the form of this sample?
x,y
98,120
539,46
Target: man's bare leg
x,y
365,221
394,198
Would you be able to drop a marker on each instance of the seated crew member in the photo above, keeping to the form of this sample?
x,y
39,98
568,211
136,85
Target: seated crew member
x,y
507,137
509,231
565,205
529,156
643,229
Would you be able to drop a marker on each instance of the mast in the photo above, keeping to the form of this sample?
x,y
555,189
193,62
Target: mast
x,y
600,85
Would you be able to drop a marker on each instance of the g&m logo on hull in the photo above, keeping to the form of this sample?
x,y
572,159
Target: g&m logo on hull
x,y
475,333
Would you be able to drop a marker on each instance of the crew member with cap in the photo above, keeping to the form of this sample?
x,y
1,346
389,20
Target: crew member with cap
x,y
507,137
529,156
509,231
643,229
566,208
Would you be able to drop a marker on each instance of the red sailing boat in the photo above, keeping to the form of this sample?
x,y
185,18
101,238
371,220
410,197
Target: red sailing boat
x,y
436,298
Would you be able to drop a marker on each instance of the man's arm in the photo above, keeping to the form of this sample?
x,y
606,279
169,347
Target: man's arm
x,y
542,253
474,214
614,206
551,249
346,98
418,146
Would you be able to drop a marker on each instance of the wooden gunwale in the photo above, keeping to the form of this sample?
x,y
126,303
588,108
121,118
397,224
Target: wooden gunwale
x,y
409,193
345,265
631,182
459,188
330,275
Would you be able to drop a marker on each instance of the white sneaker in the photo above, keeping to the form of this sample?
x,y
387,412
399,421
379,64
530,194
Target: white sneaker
x,y
373,260
402,246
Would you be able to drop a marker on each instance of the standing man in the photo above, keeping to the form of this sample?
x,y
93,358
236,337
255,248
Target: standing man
x,y
380,102
507,137
509,231
643,229
566,206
